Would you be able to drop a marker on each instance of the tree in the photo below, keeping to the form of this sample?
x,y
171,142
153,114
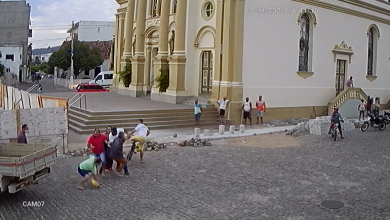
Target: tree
x,y
84,58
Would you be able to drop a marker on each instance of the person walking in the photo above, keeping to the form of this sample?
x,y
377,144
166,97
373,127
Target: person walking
x,y
96,144
197,111
116,153
362,108
85,168
222,104
22,139
350,82
260,105
107,149
247,108
369,104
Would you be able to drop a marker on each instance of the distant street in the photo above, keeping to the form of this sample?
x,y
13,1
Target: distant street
x,y
48,89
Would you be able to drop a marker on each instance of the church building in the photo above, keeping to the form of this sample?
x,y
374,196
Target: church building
x,y
297,54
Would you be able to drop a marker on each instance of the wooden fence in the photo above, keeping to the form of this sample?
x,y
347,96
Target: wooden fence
x,y
14,98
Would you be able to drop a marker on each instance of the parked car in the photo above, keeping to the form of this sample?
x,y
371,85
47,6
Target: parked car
x,y
85,87
104,79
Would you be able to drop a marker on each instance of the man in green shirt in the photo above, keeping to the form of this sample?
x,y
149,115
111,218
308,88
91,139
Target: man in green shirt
x,y
86,167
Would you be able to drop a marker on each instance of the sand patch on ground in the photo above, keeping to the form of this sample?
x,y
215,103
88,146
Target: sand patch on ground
x,y
266,141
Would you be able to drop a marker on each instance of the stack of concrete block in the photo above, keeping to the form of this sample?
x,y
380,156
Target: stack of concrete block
x,y
302,126
320,126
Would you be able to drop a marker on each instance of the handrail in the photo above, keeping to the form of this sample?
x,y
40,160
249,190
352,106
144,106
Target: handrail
x,y
349,93
31,88
74,97
28,90
79,99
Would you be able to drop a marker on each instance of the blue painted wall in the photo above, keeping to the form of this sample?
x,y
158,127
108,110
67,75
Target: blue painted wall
x,y
350,108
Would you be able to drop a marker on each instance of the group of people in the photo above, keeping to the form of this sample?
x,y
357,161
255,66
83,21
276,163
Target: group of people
x,y
368,106
108,147
246,109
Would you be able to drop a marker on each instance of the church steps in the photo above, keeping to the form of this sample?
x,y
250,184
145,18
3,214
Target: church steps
x,y
83,122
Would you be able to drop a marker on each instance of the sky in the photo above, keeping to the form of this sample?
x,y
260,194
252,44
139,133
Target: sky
x,y
50,19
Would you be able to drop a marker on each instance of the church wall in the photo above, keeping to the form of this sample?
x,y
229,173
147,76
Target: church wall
x,y
195,22
270,61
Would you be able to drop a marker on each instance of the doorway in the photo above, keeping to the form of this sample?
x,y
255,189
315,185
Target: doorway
x,y
340,75
97,71
207,72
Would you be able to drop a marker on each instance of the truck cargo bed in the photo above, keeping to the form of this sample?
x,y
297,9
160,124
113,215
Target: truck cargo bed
x,y
23,160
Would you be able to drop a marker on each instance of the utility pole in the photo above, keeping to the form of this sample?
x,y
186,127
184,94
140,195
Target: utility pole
x,y
71,52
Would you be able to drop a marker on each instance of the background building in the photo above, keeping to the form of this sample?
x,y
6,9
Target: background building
x,y
298,54
99,35
14,34
44,53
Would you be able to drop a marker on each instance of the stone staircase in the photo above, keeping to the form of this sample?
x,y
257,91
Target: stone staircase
x,y
341,99
84,122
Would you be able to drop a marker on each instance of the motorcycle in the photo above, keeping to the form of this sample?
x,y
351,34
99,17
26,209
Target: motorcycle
x,y
335,131
375,121
386,115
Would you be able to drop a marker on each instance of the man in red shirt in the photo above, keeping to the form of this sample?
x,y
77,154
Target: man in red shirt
x,y
96,144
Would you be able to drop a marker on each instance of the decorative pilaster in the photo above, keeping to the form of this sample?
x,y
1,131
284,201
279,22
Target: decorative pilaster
x,y
161,61
229,63
116,47
138,60
119,45
148,66
129,29
177,63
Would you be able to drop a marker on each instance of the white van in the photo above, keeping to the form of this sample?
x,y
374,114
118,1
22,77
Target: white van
x,y
104,79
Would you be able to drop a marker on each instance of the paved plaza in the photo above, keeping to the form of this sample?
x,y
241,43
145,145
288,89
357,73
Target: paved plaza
x,y
261,177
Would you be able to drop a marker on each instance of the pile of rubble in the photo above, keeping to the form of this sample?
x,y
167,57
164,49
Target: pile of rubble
x,y
77,153
196,142
294,132
154,145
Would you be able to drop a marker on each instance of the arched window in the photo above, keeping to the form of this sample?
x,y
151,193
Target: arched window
x,y
154,8
174,6
370,60
304,43
372,49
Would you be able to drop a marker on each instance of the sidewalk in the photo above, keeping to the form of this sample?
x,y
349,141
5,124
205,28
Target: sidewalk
x,y
77,142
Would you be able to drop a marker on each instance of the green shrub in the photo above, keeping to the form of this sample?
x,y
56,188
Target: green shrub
x,y
125,75
163,80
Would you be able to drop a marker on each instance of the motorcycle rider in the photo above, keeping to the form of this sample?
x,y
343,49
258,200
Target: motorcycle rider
x,y
336,118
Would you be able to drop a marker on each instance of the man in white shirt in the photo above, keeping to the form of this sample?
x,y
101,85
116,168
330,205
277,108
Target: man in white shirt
x,y
141,132
222,107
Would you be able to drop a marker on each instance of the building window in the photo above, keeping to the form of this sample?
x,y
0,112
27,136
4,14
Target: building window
x,y
10,57
208,10
304,43
154,8
372,49
174,6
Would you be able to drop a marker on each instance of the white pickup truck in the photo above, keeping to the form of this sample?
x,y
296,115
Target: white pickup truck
x,y
23,164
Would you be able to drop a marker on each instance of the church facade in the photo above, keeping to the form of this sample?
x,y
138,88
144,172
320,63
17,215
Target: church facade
x,y
297,54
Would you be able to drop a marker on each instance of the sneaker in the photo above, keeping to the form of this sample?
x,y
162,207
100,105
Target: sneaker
x,y
127,173
103,175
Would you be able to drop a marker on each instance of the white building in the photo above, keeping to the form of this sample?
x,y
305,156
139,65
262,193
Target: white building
x,y
93,30
12,58
297,54
98,34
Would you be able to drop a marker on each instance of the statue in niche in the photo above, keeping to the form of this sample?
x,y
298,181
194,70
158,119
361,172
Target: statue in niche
x,y
134,42
172,42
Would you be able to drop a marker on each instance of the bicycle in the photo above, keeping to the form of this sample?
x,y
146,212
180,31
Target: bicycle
x,y
131,152
335,130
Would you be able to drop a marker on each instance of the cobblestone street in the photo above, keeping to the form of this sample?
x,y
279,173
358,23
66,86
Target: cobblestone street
x,y
226,182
